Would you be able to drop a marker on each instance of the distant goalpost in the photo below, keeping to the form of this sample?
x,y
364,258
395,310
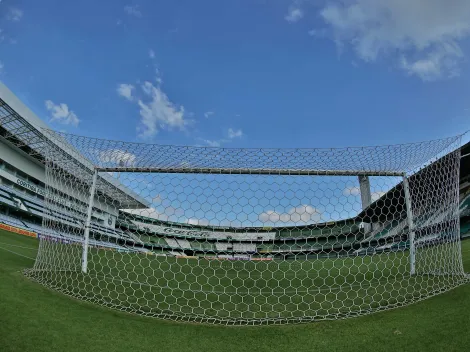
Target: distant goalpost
x,y
249,236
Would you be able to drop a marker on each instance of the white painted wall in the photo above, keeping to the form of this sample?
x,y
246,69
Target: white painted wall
x,y
31,167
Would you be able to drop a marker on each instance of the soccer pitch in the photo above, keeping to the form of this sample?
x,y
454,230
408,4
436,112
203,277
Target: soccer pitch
x,y
33,318
236,292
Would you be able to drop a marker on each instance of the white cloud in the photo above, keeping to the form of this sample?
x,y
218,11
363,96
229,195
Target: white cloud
x,y
156,110
356,191
157,199
148,212
300,214
294,14
208,114
351,191
61,113
423,35
158,77
169,214
219,142
117,157
15,14
133,10
159,112
318,33
377,195
213,143
174,213
152,54
234,133
200,222
125,90
443,61
153,213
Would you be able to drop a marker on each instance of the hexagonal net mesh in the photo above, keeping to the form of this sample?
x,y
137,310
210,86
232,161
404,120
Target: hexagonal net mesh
x,y
249,236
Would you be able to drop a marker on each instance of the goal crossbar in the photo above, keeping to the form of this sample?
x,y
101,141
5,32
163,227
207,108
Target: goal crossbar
x,y
226,171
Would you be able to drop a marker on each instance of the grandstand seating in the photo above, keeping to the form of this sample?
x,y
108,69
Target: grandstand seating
x,y
10,220
192,232
321,230
244,247
223,246
465,229
34,227
159,241
183,243
12,190
144,234
172,242
391,228
204,246
465,206
4,194
35,206
5,198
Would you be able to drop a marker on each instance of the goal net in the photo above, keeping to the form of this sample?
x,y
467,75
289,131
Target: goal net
x,y
249,236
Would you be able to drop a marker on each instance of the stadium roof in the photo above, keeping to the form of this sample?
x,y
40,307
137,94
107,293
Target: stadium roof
x,y
465,160
394,200
21,127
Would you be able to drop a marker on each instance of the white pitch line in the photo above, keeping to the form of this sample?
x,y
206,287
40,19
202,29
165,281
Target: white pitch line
x,y
15,245
21,255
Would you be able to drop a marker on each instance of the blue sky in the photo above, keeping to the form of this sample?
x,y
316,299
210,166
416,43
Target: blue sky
x,y
245,73
279,73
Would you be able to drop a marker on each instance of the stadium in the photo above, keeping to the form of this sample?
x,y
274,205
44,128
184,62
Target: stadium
x,y
234,236
23,174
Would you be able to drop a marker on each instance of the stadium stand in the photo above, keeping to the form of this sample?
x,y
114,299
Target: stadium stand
x,y
22,191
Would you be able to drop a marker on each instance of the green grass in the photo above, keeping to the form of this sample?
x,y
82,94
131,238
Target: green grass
x,y
235,292
34,318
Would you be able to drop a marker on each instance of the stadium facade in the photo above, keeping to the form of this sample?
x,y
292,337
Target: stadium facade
x,y
22,176
117,221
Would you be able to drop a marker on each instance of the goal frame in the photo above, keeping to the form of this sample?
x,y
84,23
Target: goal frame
x,y
248,236
358,173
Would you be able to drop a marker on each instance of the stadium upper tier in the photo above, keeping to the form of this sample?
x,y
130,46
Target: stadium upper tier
x,y
22,130
23,142
137,223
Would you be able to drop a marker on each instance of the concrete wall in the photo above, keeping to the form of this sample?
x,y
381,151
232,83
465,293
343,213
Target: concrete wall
x,y
22,162
31,167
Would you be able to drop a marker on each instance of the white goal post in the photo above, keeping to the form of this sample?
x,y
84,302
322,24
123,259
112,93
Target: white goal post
x,y
359,173
249,236
86,235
